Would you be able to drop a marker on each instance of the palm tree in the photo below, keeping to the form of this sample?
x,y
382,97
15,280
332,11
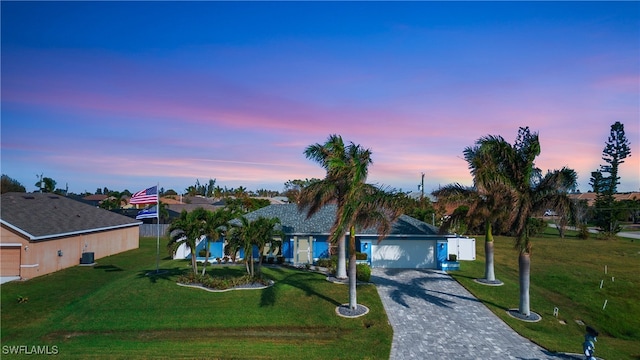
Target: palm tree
x,y
332,156
214,228
247,234
530,192
487,199
266,234
187,229
367,206
358,204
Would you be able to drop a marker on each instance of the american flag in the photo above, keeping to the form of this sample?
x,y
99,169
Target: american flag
x,y
146,196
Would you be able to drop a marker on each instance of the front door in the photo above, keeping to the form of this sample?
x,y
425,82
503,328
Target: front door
x,y
302,252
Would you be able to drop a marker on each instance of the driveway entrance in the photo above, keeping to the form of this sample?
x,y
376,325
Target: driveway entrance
x,y
434,317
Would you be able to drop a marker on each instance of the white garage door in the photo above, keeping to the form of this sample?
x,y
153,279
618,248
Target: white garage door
x,y
404,254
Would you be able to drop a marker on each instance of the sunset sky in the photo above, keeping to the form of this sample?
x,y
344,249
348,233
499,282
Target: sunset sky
x,y
126,95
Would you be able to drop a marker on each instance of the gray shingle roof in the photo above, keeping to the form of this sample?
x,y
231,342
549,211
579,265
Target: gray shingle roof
x,y
42,216
296,222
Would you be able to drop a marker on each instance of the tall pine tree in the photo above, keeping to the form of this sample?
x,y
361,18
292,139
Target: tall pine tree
x,y
605,181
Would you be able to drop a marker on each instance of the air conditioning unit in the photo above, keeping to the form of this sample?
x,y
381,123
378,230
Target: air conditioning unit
x,y
87,258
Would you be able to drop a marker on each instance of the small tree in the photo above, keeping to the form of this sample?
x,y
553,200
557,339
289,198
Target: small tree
x,y
188,229
214,228
247,234
46,184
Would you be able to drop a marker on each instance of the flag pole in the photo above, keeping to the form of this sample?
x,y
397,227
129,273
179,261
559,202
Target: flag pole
x,y
158,228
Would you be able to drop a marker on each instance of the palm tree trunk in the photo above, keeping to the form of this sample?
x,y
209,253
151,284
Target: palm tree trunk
x,y
489,273
341,271
251,260
524,269
206,254
194,262
260,260
353,296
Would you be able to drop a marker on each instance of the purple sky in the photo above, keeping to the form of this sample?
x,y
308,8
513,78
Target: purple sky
x,y
130,94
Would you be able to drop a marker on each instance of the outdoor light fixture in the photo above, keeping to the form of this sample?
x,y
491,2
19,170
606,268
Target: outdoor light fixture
x,y
366,246
26,247
59,252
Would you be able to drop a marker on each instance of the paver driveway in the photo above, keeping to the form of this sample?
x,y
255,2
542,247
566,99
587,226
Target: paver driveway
x,y
434,317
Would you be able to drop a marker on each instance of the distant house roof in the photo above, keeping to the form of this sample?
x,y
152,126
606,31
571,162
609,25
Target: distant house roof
x,y
273,200
95,197
296,222
197,199
41,216
590,197
170,200
190,207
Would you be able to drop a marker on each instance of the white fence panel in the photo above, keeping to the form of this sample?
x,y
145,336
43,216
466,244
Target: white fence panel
x,y
463,248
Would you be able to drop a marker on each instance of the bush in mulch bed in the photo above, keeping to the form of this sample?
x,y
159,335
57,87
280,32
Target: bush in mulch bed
x,y
220,283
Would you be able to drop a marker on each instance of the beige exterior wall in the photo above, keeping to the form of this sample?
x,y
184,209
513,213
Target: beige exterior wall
x,y
47,256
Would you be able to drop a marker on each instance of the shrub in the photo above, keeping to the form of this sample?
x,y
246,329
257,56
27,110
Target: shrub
x,y
583,232
202,253
280,259
270,260
326,263
330,264
453,257
363,272
536,226
361,256
220,283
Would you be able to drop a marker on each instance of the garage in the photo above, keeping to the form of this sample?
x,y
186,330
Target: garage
x,y
10,259
404,254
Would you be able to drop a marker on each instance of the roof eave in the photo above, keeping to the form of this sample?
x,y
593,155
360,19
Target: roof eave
x,y
32,237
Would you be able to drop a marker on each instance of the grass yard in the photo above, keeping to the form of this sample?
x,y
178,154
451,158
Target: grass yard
x,y
115,311
566,273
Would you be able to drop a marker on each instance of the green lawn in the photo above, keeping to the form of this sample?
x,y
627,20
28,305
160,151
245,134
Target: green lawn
x,y
566,273
113,310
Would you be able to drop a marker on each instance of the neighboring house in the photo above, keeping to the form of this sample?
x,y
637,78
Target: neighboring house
x,y
94,200
411,243
42,233
590,197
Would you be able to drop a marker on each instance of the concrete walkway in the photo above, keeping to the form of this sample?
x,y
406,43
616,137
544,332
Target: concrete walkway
x,y
6,279
434,317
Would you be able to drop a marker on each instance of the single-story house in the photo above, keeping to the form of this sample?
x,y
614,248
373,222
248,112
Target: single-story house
x,y
411,243
42,233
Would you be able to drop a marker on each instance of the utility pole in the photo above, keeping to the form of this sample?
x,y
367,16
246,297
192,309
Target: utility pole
x,y
422,187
